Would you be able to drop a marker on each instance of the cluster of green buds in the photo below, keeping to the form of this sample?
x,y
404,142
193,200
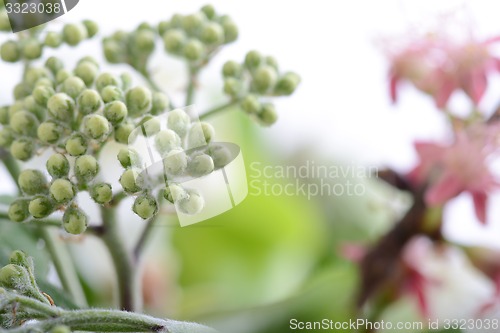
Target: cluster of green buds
x,y
19,276
195,37
133,48
256,79
29,46
73,113
186,149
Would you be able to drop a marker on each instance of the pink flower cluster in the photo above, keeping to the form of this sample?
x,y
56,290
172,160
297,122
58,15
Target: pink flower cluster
x,y
438,67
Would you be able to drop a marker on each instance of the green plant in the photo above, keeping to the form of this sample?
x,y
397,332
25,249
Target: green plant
x,y
74,114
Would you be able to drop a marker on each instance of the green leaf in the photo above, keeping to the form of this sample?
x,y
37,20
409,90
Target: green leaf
x,y
58,295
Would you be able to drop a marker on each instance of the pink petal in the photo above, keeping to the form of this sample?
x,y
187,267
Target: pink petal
x,y
393,87
417,283
480,202
476,86
428,150
446,188
443,94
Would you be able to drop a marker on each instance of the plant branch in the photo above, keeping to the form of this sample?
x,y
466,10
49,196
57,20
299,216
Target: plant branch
x,y
146,233
11,165
218,109
64,266
153,85
129,291
191,89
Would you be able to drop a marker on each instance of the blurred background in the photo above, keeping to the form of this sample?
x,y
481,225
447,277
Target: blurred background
x,y
277,256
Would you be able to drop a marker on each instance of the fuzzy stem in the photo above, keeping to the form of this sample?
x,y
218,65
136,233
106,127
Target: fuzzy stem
x,y
191,89
218,109
129,291
64,266
11,165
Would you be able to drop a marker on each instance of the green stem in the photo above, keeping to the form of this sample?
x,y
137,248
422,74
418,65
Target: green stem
x,y
191,89
218,109
30,303
141,243
64,266
129,289
12,166
153,85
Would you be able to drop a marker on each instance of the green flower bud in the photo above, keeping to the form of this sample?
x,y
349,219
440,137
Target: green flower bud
x,y
18,210
10,51
145,26
6,137
126,81
92,28
200,134
22,149
14,277
62,190
87,71
250,104
123,131
176,20
174,41
120,36
139,100
61,106
167,194
232,69
175,162
74,33
4,115
268,115
60,329
200,165
145,206
53,39
287,84
128,158
113,51
178,121
75,221
90,59
49,132
161,102
231,31
23,122
32,49
16,107
232,87
144,41
44,82
76,145
54,64
253,60
111,93
73,86
101,193
193,22
220,155
150,126
41,207
34,108
4,21
62,75
163,26
271,61
34,74
115,112
212,33
21,91
131,181
209,11
192,204
167,140
264,78
32,182
58,166
96,126
86,168
42,93
20,258
194,49
89,101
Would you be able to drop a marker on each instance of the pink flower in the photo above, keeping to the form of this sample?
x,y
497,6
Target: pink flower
x,y
460,167
439,66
